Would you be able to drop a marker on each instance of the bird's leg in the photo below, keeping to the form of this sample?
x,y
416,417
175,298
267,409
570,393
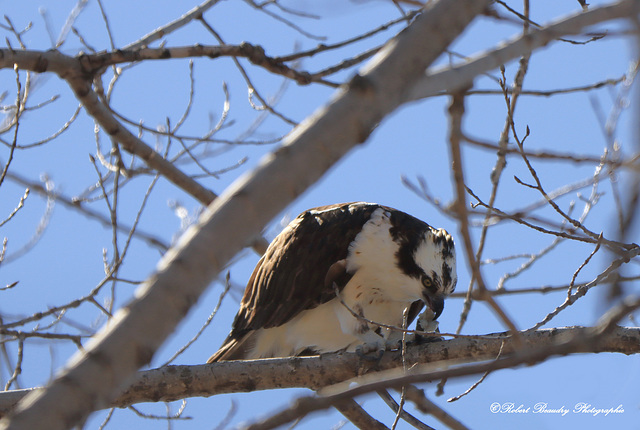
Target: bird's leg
x,y
394,339
353,321
373,348
372,342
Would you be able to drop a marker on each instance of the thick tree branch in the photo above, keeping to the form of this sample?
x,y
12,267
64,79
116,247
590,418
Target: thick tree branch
x,y
94,63
590,340
179,382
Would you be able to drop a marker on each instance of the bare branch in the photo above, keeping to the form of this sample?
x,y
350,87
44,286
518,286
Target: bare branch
x,y
587,341
178,382
358,416
161,32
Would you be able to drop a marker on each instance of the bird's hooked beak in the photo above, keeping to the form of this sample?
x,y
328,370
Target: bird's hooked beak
x,y
435,303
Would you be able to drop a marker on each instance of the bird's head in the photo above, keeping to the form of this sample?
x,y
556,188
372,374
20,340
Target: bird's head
x,y
428,258
414,260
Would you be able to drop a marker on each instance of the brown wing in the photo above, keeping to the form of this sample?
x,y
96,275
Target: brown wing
x,y
290,277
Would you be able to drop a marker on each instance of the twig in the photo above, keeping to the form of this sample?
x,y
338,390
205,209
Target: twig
x,y
583,289
76,205
618,247
475,384
358,416
19,206
255,52
17,370
418,398
584,263
161,32
41,227
16,125
284,21
547,155
223,294
406,416
324,47
456,111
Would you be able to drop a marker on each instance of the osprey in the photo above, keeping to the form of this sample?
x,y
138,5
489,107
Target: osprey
x,y
334,276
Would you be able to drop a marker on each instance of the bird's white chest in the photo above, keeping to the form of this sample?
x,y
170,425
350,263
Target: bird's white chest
x,y
373,262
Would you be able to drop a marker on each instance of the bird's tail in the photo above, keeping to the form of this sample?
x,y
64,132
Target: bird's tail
x,y
233,348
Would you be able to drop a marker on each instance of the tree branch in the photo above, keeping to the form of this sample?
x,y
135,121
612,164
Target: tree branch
x,y
589,340
172,383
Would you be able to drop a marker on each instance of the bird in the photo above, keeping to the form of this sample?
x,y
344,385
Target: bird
x,y
340,278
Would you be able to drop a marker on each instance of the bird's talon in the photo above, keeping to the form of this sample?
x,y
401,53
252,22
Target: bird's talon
x,y
365,352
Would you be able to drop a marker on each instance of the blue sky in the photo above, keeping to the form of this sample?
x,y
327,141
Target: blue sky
x,y
67,260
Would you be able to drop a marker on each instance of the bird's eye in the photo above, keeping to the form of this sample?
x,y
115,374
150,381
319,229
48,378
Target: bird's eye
x,y
426,281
